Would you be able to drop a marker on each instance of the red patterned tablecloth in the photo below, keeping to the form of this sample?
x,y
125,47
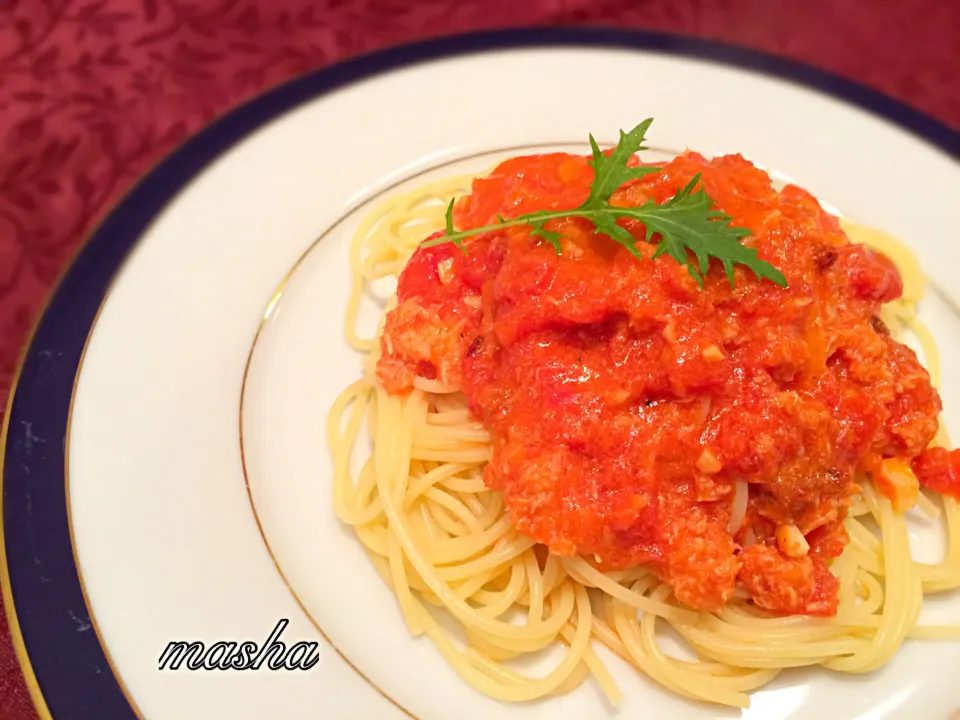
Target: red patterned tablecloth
x,y
94,92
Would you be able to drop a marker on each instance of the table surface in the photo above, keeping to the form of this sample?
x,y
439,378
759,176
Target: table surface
x,y
94,92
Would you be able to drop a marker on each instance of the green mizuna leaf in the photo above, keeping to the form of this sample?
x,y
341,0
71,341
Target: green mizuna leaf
x,y
611,172
549,235
687,224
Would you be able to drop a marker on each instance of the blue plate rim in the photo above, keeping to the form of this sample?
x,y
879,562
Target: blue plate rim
x,y
67,670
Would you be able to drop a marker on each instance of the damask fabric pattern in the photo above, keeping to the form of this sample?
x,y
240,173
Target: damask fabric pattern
x,y
93,93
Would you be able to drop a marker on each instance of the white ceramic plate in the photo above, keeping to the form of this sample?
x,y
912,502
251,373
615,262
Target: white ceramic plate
x,y
127,461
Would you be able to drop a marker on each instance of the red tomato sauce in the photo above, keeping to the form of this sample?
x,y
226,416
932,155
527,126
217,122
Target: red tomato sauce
x,y
938,469
625,403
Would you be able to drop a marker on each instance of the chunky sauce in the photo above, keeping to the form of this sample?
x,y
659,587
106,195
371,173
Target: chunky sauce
x,y
625,403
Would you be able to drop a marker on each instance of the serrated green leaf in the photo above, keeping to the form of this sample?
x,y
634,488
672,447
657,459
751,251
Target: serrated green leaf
x,y
685,224
449,218
607,224
595,149
550,236
611,172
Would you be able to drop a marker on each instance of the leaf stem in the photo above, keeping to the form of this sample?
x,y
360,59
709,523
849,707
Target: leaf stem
x,y
686,223
460,236
636,213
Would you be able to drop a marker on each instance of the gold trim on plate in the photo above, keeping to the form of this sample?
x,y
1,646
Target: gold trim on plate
x,y
66,490
19,645
265,317
16,636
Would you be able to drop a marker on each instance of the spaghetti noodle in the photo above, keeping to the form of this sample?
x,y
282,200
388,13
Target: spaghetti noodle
x,y
441,539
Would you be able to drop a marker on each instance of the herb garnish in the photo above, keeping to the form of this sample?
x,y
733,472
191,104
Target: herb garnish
x,y
685,223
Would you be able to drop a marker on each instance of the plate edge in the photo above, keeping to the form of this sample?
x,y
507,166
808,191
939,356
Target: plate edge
x,y
900,114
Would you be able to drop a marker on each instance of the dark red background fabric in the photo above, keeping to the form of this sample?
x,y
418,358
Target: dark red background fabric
x,y
94,92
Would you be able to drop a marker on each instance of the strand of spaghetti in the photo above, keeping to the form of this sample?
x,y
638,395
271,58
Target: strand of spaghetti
x,y
900,603
446,523
945,575
467,485
448,403
844,569
872,499
579,568
771,635
460,416
864,548
373,270
461,548
479,644
412,613
862,538
363,238
705,687
492,510
456,508
429,479
437,535
503,552
470,589
374,538
563,606
553,572
399,214
534,588
468,455
931,354
927,506
432,386
390,465
628,628
612,640
857,509
483,598
436,443
734,651
364,494
450,520
503,675
535,688
935,632
746,678
354,398
872,562
405,412
400,428
472,585
596,667
494,603
432,530
734,679
367,507
441,436
872,595
476,506
751,616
